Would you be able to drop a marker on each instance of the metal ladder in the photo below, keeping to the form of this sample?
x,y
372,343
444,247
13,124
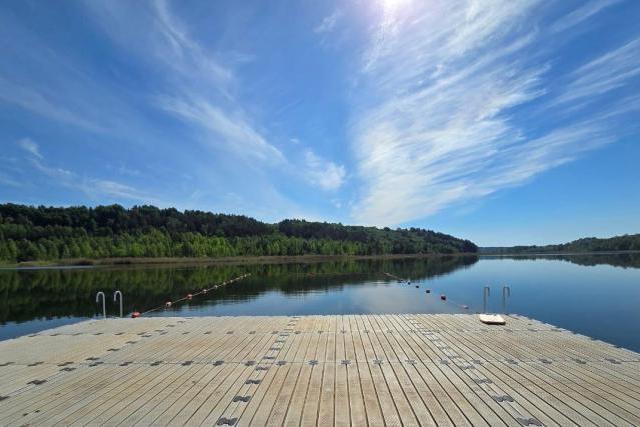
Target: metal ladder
x,y
486,292
104,304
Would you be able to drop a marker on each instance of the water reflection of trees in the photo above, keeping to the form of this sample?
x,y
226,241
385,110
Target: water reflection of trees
x,y
624,260
30,294
630,260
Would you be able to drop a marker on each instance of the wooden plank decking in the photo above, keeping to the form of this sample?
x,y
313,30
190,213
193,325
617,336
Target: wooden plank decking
x,y
316,370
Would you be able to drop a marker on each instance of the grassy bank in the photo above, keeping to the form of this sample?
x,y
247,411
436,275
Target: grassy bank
x,y
80,262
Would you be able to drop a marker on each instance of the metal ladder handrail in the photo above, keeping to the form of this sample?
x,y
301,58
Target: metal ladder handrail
x,y
104,306
115,296
506,292
486,292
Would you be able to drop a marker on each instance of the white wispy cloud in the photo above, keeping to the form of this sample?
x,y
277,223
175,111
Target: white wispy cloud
x,y
157,38
439,124
323,173
30,146
94,188
188,55
609,71
99,188
8,181
233,130
44,103
583,13
329,22
199,87
214,109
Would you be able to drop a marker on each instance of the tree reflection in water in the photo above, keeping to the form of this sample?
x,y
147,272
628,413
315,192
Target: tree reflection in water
x,y
62,292
70,292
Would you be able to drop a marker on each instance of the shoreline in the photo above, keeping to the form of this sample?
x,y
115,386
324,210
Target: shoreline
x,y
540,254
275,259
236,260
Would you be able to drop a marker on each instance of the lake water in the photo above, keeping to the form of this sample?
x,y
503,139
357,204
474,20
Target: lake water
x,y
596,295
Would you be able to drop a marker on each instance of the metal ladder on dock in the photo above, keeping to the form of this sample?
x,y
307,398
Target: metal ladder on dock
x,y
104,305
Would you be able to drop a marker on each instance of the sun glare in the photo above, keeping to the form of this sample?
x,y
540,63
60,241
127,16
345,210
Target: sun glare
x,y
390,6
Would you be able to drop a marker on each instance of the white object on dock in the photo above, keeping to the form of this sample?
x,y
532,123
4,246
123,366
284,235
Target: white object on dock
x,y
492,319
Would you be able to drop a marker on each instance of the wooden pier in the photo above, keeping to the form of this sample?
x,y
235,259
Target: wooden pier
x,y
316,370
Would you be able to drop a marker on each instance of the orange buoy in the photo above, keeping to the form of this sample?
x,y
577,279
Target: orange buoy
x,y
189,296
443,297
135,314
167,304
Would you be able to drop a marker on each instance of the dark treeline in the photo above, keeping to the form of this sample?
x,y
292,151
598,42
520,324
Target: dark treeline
x,y
49,233
627,242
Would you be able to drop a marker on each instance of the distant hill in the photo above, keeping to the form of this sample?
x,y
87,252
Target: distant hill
x,y
627,242
51,233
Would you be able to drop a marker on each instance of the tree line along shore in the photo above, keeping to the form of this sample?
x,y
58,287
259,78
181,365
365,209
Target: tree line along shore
x,y
624,244
59,234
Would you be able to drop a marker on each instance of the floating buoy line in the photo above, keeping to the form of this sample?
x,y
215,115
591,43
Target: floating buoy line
x,y
443,297
189,296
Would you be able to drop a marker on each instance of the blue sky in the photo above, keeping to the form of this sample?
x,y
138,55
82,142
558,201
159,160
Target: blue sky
x,y
505,122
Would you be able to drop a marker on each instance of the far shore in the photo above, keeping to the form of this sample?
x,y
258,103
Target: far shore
x,y
97,262
239,260
522,254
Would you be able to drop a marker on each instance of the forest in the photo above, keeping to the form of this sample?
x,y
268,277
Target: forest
x,y
42,233
627,242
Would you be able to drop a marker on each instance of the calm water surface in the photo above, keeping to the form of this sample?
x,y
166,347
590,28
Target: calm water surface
x,y
597,295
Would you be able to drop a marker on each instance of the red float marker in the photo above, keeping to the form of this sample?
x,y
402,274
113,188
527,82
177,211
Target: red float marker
x,y
135,314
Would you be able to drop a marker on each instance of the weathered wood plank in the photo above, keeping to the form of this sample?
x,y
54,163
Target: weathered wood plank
x,y
294,414
385,399
316,370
